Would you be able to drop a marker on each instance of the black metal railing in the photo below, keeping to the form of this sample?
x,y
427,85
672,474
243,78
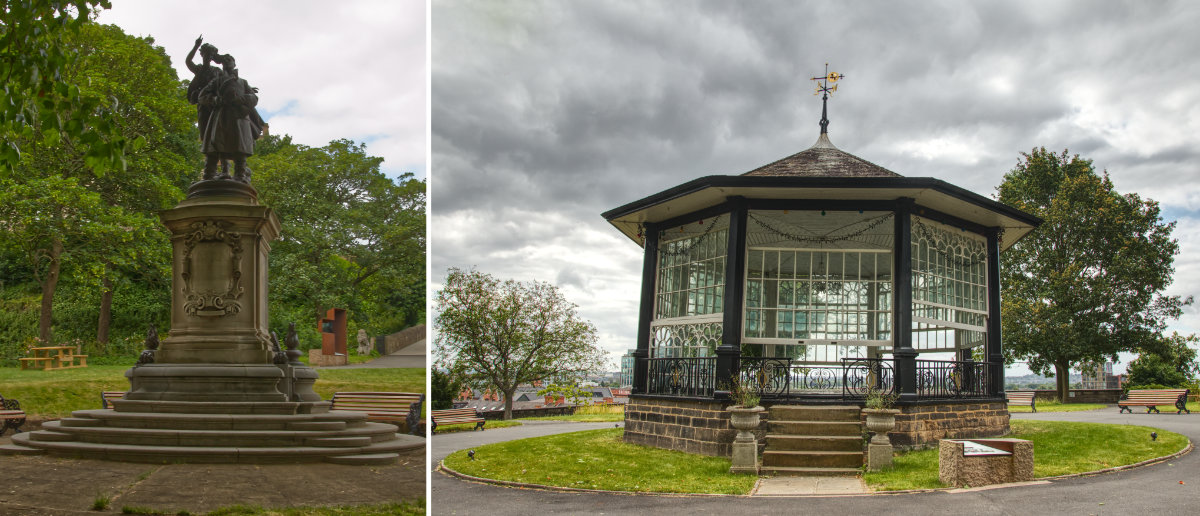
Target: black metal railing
x,y
783,378
958,379
690,377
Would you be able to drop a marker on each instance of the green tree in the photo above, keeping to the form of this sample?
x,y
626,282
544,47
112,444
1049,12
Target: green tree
x,y
444,387
1169,361
352,237
1088,283
40,102
509,333
70,210
569,391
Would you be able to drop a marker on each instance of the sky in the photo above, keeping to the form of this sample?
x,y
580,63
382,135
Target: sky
x,y
546,114
325,70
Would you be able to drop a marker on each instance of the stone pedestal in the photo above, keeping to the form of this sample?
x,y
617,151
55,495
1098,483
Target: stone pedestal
x,y
879,456
1009,460
745,445
317,358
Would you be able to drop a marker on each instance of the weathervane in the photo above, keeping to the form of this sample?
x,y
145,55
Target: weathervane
x,y
823,87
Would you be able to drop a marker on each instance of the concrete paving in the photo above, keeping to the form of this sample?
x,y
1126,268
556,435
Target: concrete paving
x,y
798,486
1167,488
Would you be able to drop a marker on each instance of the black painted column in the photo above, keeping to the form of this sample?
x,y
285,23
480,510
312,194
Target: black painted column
x,y
729,353
649,270
994,349
903,354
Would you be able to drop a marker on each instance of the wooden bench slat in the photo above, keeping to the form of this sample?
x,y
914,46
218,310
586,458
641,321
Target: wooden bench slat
x,y
1152,398
389,407
456,416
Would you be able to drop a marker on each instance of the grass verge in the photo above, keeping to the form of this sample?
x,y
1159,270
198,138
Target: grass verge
x,y
1055,406
467,427
55,394
599,459
588,414
1060,448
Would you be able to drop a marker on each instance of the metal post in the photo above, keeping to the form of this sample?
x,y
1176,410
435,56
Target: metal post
x,y
641,355
993,348
729,353
903,354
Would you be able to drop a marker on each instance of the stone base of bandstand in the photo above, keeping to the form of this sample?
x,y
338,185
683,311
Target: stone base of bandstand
x,y
702,426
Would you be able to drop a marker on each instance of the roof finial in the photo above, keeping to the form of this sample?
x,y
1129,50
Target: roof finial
x,y
824,87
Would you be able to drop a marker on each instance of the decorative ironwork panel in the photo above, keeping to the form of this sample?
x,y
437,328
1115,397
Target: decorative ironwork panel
x,y
699,339
689,377
938,379
770,377
862,375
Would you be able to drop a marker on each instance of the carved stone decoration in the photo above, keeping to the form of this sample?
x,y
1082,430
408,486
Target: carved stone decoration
x,y
147,356
280,357
212,270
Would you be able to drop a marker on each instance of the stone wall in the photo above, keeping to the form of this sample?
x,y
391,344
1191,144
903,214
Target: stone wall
x,y
1107,396
920,426
531,412
388,344
700,427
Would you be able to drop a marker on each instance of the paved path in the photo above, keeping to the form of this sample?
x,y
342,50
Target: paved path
x,y
395,360
1153,489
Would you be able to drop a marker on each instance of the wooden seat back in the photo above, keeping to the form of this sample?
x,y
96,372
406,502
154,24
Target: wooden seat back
x,y
400,408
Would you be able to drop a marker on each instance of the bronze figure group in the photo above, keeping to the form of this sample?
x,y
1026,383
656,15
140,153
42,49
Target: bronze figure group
x,y
225,108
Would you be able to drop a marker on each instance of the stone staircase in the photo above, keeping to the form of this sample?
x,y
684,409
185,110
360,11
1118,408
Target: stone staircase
x,y
201,436
808,440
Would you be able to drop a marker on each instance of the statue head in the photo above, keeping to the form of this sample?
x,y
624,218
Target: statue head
x,y
208,52
228,64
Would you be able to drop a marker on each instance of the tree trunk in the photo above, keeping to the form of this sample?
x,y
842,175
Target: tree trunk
x,y
105,321
1062,375
48,286
508,400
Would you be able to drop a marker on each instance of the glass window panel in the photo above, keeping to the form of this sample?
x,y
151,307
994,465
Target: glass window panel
x,y
771,264
836,263
754,263
851,265
787,265
803,265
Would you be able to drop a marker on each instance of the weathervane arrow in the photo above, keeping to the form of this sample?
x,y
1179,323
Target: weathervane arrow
x,y
823,86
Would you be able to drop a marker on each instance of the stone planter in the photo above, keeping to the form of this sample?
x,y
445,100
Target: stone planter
x,y
879,450
881,421
745,446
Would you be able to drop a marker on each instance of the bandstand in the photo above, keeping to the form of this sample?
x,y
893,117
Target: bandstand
x,y
814,279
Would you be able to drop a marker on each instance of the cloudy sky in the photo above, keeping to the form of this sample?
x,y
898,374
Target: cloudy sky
x,y
546,114
324,70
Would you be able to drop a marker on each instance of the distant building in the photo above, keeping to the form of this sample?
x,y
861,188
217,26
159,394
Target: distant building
x,y
1100,376
627,361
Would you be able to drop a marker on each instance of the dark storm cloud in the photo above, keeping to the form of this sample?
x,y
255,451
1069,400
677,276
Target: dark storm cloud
x,y
562,110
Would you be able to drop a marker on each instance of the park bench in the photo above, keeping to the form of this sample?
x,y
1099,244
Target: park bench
x,y
107,397
388,407
1152,398
11,413
1021,399
454,417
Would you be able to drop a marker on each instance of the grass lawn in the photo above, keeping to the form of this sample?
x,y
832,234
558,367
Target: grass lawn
x,y
55,394
1055,406
398,509
599,459
468,427
1059,448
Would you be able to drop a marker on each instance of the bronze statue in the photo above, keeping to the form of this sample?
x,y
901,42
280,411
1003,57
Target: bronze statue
x,y
228,120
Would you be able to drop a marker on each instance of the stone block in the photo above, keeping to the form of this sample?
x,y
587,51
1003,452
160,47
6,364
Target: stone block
x,y
879,456
957,469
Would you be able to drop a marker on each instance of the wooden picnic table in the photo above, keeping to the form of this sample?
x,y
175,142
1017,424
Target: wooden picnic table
x,y
54,357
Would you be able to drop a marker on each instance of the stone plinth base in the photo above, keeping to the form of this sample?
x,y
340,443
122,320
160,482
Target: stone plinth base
x,y
318,359
693,426
959,470
879,456
921,426
745,457
205,383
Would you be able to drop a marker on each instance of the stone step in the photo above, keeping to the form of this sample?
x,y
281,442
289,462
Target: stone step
x,y
112,418
814,427
365,459
316,425
80,421
813,459
214,454
810,472
230,407
47,435
846,443
339,442
814,413
16,449
361,436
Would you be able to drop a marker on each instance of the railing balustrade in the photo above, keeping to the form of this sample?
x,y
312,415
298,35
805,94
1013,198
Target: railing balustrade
x,y
782,378
687,377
